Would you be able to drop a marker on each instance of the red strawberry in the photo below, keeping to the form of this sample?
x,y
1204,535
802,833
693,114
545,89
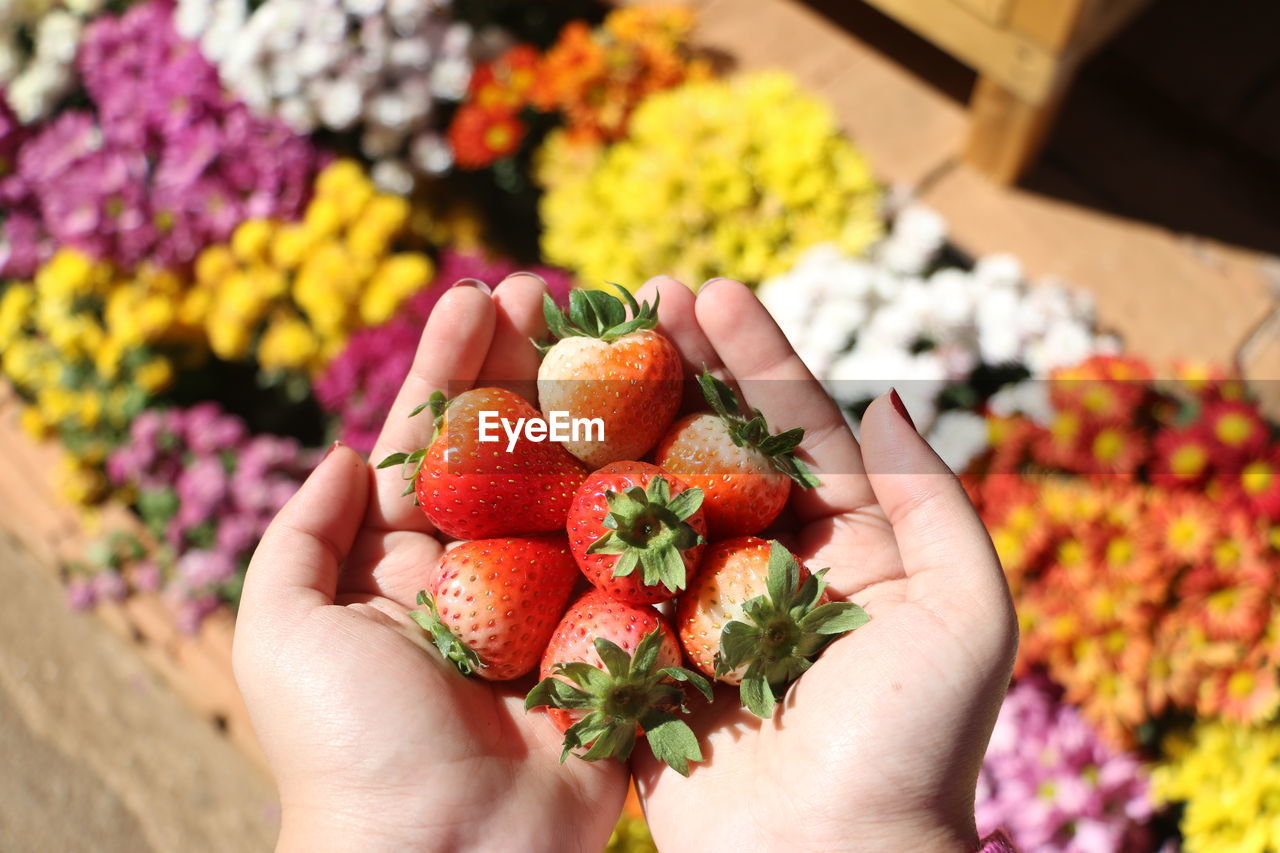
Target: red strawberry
x,y
631,515
473,489
612,672
608,367
745,472
754,616
494,603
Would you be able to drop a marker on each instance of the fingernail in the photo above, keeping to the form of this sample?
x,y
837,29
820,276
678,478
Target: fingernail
x,y
473,282
332,448
706,284
900,408
530,274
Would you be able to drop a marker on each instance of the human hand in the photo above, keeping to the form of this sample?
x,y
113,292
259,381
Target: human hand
x,y
878,745
374,740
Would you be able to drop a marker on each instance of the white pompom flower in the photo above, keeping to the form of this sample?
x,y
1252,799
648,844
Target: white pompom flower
x,y
375,68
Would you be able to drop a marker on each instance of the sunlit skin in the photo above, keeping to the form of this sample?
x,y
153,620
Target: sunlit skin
x,y
375,742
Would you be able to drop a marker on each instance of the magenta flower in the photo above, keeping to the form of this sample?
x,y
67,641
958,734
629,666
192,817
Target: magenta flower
x,y
162,165
210,489
1052,784
80,593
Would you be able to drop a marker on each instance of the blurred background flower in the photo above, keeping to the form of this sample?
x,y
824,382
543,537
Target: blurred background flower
x,y
1055,786
715,178
205,488
1228,776
289,294
381,71
38,41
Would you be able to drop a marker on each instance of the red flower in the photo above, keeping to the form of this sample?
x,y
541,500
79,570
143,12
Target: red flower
x,y
504,84
1117,450
1237,429
1102,388
1181,457
479,136
1258,484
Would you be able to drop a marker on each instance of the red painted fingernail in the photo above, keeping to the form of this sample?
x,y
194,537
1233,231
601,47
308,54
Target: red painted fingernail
x,y
332,448
473,282
900,408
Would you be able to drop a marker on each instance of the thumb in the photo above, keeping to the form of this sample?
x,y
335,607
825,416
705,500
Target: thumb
x,y
946,551
295,567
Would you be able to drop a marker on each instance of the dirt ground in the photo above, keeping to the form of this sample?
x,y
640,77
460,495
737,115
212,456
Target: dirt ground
x,y
95,753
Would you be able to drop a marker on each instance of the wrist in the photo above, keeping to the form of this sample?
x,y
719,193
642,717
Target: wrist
x,y
317,829
935,835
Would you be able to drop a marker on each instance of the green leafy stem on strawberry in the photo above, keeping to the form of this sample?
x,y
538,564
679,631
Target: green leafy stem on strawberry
x,y
454,650
647,529
411,462
754,431
788,628
628,693
597,314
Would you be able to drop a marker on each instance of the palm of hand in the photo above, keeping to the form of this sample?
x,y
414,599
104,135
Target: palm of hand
x,y
361,718
885,719
879,744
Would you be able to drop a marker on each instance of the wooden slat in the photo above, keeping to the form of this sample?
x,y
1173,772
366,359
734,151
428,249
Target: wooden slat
x,y
992,11
1005,132
1015,61
1048,23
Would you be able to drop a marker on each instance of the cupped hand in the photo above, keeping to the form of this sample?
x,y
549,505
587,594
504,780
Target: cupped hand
x,y
878,745
374,740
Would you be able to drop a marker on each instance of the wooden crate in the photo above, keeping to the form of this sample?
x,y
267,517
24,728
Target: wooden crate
x,y
197,667
1026,53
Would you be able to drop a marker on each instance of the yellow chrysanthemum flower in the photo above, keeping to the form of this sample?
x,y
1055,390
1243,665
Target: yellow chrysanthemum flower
x,y
287,344
1228,776
732,178
154,375
326,276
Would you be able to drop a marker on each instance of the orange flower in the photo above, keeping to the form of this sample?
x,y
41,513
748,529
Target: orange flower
x,y
1183,528
480,137
1244,693
595,79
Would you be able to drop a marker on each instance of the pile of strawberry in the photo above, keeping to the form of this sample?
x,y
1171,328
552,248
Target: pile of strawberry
x,y
538,518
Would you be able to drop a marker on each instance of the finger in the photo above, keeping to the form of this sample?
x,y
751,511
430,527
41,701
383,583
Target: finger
x,y
450,354
774,379
295,567
677,322
391,565
946,553
512,362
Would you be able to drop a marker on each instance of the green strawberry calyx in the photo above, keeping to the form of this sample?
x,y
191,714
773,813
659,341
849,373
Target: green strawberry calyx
x,y
628,692
454,650
754,432
411,463
786,629
648,530
598,314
